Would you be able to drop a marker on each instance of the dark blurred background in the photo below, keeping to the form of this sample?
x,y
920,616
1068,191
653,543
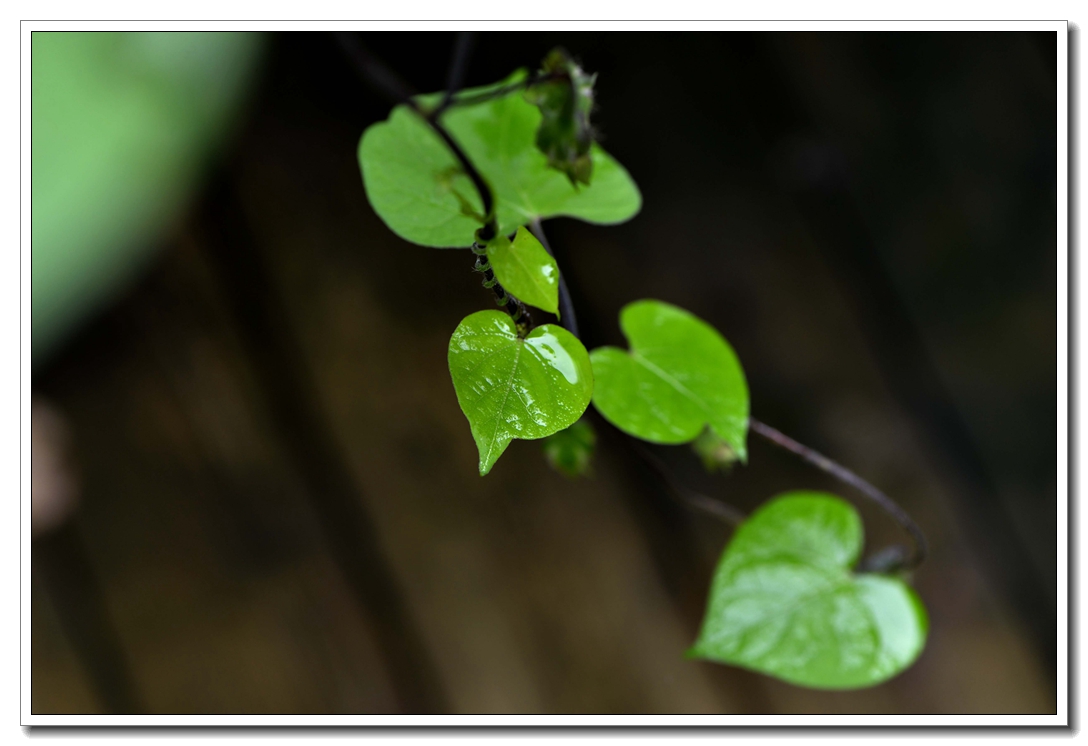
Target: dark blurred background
x,y
254,491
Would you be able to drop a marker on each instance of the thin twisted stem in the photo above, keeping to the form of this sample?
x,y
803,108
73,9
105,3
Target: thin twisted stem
x,y
846,476
462,50
386,82
692,498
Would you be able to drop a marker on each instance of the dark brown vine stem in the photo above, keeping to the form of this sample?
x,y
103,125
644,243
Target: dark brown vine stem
x,y
890,559
375,73
378,76
889,506
462,50
692,498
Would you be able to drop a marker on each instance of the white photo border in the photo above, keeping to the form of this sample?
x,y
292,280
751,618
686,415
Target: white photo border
x,y
1064,473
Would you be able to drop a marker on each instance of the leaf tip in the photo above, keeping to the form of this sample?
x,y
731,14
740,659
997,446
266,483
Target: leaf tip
x,y
741,452
490,449
717,452
695,652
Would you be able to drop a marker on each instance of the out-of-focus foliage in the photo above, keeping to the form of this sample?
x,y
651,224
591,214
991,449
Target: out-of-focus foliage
x,y
715,453
679,376
785,602
512,387
121,124
570,451
416,186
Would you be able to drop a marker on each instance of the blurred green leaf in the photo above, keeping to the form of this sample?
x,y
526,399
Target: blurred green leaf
x,y
417,187
122,124
714,452
784,601
526,269
570,451
565,100
509,387
679,375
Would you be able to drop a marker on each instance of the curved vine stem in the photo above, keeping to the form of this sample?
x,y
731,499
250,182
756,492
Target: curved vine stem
x,y
692,498
386,82
885,560
462,50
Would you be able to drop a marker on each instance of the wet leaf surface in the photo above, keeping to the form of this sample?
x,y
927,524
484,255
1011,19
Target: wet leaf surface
x,y
510,387
526,269
784,601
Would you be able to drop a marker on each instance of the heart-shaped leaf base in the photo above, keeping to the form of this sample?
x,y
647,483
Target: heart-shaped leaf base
x,y
679,376
510,387
785,603
419,190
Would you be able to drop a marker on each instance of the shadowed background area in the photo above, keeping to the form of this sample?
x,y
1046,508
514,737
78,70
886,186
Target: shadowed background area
x,y
255,491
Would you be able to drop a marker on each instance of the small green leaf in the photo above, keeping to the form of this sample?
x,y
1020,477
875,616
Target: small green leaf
x,y
565,102
784,601
679,375
510,387
526,269
714,452
415,184
570,451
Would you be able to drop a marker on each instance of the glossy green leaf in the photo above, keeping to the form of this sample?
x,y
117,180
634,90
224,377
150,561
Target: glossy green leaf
x,y
570,451
678,376
526,269
784,601
510,387
415,184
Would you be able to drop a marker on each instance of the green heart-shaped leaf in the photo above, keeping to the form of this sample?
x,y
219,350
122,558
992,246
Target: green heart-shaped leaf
x,y
784,601
510,387
526,269
416,186
679,375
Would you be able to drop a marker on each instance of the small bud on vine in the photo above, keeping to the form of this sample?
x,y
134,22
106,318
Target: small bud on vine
x,y
565,100
714,451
